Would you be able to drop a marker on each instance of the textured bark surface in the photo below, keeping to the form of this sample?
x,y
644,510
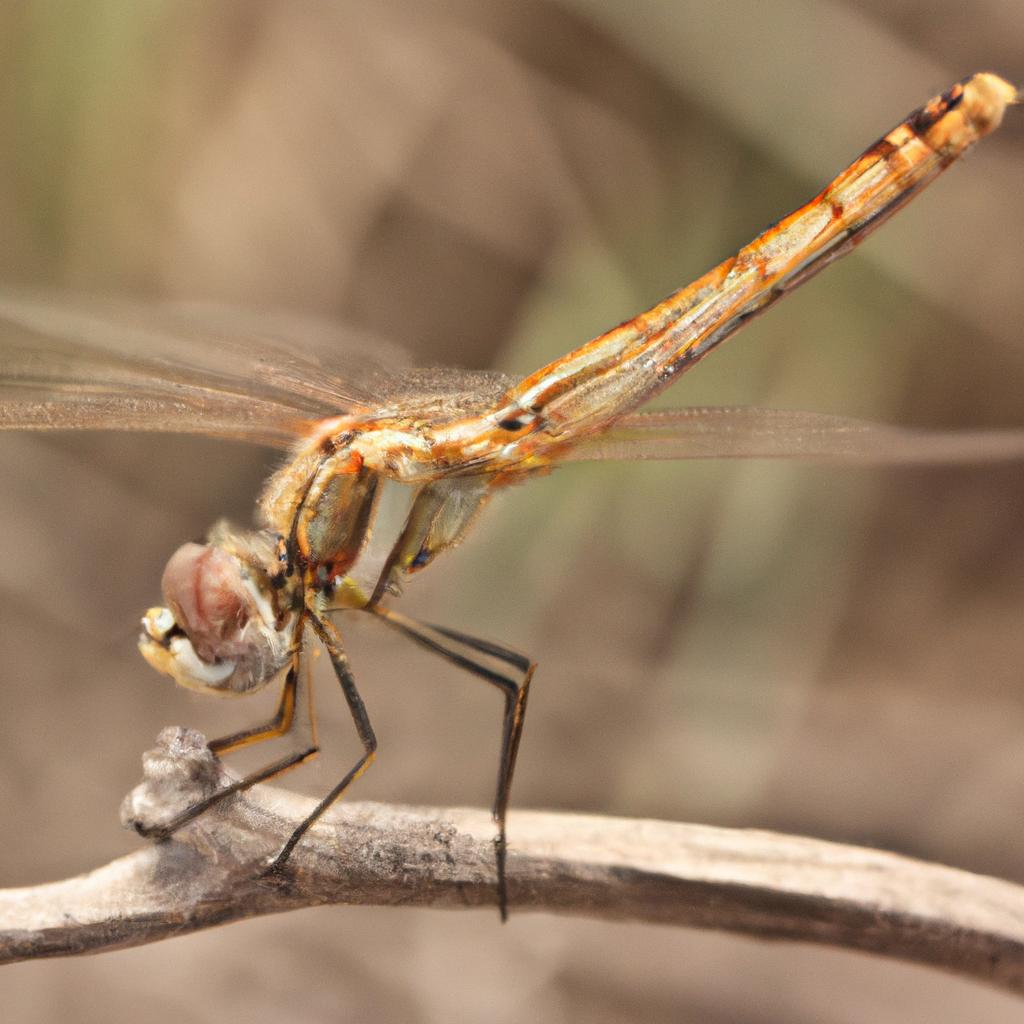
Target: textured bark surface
x,y
751,882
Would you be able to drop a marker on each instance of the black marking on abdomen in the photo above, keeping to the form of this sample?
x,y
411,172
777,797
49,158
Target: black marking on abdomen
x,y
883,148
930,114
955,96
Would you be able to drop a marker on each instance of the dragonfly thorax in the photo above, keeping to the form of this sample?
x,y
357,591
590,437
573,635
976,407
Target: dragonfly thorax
x,y
384,483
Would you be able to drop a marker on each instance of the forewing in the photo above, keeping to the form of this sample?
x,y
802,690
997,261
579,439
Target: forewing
x,y
99,364
730,433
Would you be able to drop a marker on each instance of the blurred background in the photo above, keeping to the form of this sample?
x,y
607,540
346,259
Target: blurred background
x,y
834,651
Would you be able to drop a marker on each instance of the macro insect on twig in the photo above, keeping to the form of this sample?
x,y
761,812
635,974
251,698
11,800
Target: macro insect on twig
x,y
386,475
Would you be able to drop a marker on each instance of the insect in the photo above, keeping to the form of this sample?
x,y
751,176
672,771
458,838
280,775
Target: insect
x,y
388,471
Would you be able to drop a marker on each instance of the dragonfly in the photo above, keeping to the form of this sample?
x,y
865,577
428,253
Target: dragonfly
x,y
388,469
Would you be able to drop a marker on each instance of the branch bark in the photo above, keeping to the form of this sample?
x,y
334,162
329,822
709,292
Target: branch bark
x,y
746,881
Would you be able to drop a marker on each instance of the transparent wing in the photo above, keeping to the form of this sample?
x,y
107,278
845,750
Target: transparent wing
x,y
99,364
729,433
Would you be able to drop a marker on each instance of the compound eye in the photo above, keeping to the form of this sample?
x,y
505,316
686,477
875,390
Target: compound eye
x,y
204,588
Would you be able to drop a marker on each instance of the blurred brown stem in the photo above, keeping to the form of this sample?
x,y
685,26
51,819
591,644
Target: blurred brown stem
x,y
755,883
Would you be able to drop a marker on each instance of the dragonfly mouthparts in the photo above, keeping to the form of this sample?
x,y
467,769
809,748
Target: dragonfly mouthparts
x,y
165,646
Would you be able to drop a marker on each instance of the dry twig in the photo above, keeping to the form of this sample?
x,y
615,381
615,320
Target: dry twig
x,y
752,882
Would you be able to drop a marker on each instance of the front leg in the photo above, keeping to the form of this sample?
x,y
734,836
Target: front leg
x,y
331,639
279,725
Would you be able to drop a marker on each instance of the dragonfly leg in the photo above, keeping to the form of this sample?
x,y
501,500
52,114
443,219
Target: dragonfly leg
x,y
331,640
279,725
469,653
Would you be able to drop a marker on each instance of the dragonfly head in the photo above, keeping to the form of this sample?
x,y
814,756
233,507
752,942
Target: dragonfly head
x,y
219,632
